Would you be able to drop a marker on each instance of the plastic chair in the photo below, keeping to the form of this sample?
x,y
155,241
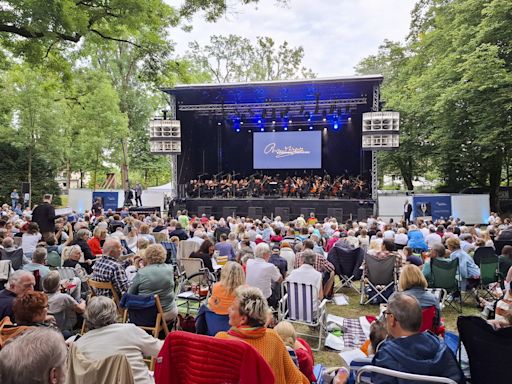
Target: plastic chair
x,y
400,375
347,264
379,275
444,275
16,257
488,350
297,306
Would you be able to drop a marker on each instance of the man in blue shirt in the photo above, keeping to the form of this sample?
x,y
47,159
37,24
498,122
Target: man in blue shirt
x,y
469,271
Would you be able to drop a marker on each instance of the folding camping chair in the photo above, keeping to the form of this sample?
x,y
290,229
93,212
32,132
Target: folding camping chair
x,y
499,244
379,277
482,252
347,264
172,251
297,306
145,311
16,257
488,350
489,274
5,272
372,369
444,274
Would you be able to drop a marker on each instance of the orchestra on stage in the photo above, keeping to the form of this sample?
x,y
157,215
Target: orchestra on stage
x,y
259,186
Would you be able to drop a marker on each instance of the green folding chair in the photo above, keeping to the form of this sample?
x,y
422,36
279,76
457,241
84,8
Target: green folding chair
x,y
444,274
489,274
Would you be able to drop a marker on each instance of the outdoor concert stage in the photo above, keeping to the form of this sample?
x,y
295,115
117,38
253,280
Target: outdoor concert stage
x,y
288,209
290,129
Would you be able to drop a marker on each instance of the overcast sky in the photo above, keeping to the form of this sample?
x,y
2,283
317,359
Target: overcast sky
x,y
335,34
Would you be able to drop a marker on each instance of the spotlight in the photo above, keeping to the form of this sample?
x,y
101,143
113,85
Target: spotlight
x,y
336,126
290,121
273,121
262,129
219,123
324,115
241,123
310,127
350,119
238,129
300,129
249,131
285,128
273,130
259,121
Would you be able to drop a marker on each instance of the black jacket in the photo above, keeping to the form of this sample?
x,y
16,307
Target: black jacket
x,y
44,216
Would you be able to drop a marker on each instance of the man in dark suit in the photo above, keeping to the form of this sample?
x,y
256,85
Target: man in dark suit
x,y
44,215
407,211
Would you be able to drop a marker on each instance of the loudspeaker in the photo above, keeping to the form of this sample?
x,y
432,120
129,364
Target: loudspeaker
x,y
364,213
255,212
284,212
307,211
206,209
25,187
228,211
336,213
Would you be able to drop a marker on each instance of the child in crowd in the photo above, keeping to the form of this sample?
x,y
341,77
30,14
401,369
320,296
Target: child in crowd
x,y
299,349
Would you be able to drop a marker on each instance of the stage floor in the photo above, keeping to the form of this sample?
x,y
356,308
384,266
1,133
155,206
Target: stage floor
x,y
287,208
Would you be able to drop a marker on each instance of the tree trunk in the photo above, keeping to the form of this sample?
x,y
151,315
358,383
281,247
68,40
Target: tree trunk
x,y
29,176
124,164
495,181
68,174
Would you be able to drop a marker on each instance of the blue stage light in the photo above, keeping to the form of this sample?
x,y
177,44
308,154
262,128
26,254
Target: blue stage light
x,y
259,121
262,129
336,126
310,127
238,129
285,128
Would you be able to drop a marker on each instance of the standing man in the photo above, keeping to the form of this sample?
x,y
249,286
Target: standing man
x,y
97,207
128,196
14,198
407,212
44,216
138,194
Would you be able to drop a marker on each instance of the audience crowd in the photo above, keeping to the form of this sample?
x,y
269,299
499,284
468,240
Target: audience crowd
x,y
48,262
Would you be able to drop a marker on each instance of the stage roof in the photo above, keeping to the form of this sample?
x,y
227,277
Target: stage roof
x,y
308,90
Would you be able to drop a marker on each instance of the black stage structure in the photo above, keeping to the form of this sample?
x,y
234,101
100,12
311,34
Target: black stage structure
x,y
219,121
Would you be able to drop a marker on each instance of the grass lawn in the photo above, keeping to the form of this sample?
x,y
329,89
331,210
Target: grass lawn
x,y
330,358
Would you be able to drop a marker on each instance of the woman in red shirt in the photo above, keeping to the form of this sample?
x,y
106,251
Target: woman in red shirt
x,y
95,242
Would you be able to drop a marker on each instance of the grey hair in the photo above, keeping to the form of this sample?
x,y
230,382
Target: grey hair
x,y
439,249
100,312
39,255
17,275
30,357
309,257
51,282
407,311
261,250
109,244
253,305
82,232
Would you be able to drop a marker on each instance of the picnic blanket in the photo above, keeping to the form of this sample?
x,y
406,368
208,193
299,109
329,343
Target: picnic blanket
x,y
354,332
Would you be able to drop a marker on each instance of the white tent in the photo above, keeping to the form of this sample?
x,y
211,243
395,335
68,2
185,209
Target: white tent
x,y
162,188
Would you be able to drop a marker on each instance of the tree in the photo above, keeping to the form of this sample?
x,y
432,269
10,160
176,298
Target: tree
x,y
235,59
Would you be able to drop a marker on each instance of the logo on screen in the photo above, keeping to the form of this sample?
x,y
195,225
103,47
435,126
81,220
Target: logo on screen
x,y
286,151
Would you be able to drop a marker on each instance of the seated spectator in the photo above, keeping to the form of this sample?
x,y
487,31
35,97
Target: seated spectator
x,y
144,233
157,278
287,253
61,305
31,310
322,265
416,240
222,229
306,274
19,283
108,269
179,232
225,248
409,351
99,236
278,261
298,348
433,237
401,238
248,316
9,247
36,356
262,274
142,245
205,253
106,338
411,258
413,283
38,263
437,251
505,260
223,292
30,239
469,271
81,240
376,242
364,239
136,263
